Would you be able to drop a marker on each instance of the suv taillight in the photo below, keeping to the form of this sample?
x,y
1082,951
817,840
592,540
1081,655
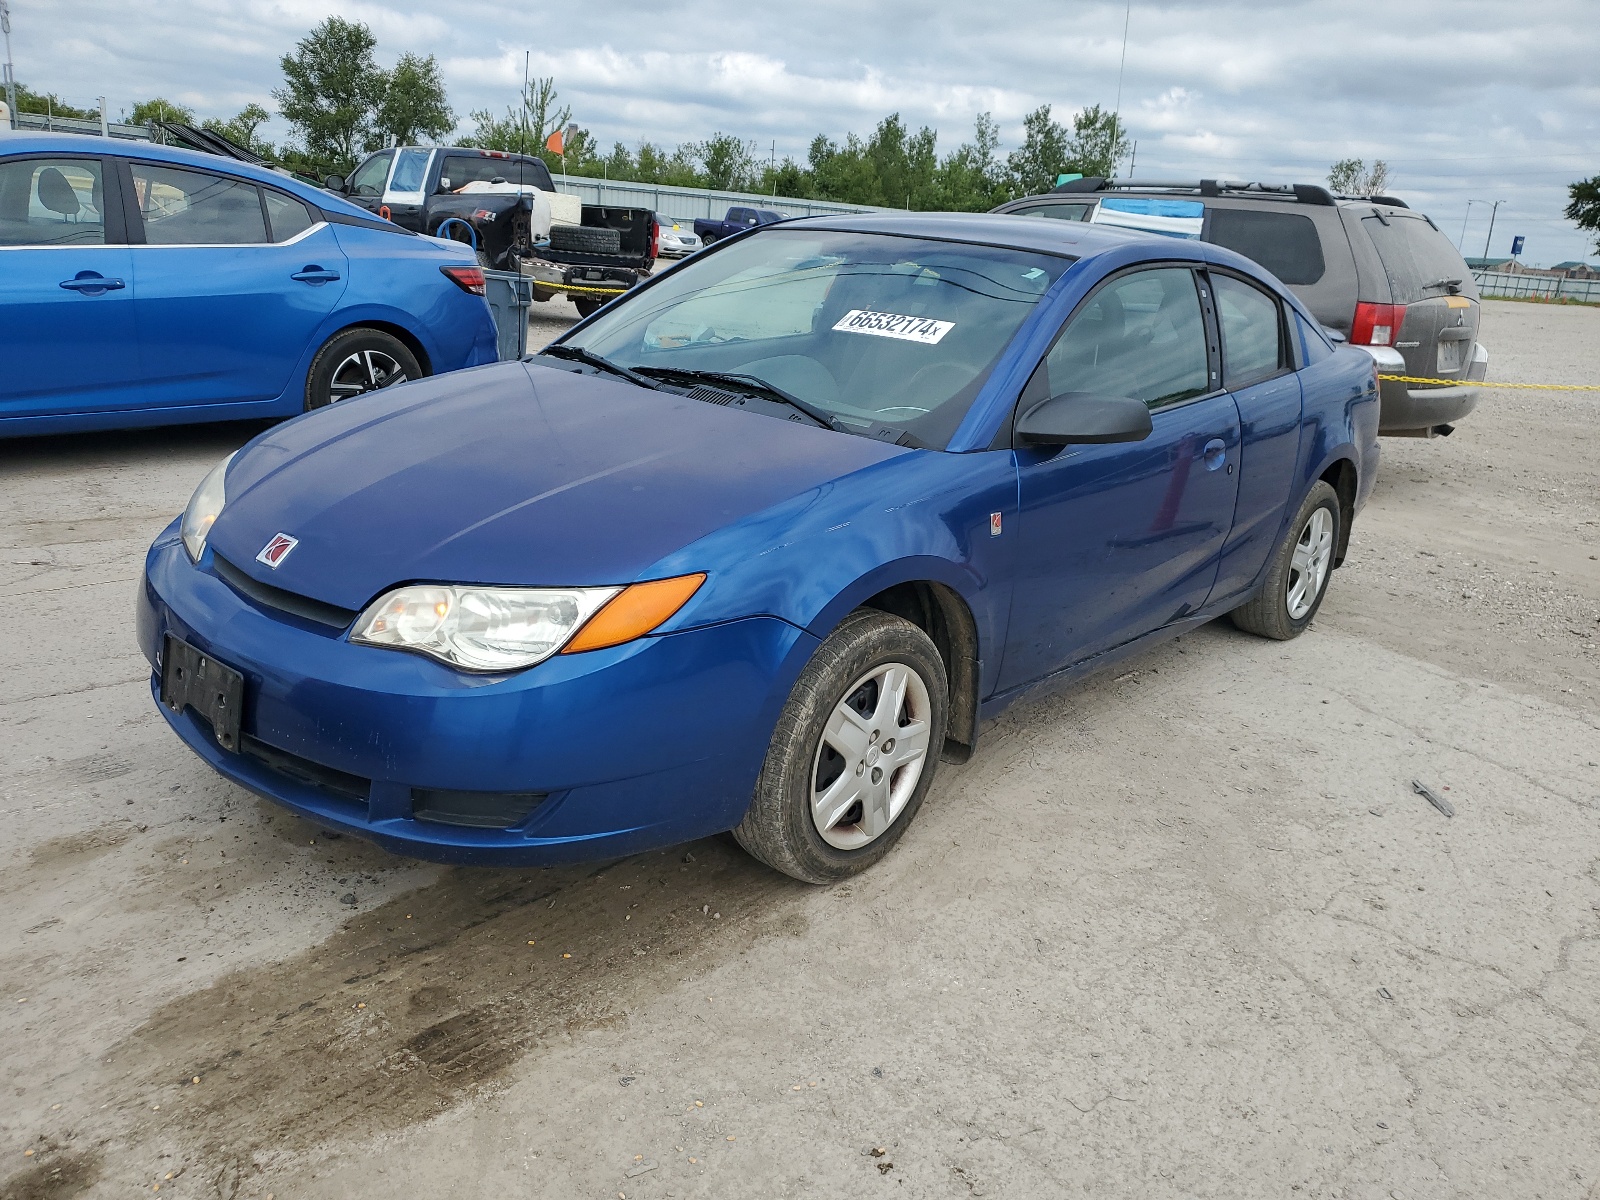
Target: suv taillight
x,y
468,279
1376,324
655,239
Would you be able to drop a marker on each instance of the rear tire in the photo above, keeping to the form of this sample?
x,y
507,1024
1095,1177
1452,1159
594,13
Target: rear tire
x,y
355,361
1297,578
854,752
585,306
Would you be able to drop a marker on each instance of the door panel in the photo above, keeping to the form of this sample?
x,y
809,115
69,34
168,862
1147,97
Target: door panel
x,y
1258,367
1114,541
68,343
222,317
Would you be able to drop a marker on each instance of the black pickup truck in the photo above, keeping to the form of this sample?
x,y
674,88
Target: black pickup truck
x,y
507,207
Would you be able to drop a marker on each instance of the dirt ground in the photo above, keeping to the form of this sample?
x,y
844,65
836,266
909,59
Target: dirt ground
x,y
1184,931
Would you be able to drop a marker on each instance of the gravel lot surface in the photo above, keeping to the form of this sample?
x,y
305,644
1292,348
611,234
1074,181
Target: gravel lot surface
x,y
1185,931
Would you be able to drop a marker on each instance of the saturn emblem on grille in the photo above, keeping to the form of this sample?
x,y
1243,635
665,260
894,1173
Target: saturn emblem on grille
x,y
275,551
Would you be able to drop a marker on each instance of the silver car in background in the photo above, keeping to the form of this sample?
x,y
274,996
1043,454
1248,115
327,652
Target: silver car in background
x,y
677,236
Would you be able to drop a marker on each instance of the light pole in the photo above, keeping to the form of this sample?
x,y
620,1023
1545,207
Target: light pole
x,y
1492,213
11,78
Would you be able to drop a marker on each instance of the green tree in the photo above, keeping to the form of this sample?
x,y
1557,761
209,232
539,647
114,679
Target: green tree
x,y
413,105
240,129
30,101
1585,207
1046,152
971,177
1350,177
525,126
726,162
332,90
1098,144
158,109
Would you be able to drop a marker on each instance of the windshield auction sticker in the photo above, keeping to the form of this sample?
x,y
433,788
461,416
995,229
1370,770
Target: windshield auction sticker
x,y
907,329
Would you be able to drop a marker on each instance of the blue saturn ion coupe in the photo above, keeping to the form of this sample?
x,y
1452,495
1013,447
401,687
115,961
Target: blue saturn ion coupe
x,y
761,542
143,285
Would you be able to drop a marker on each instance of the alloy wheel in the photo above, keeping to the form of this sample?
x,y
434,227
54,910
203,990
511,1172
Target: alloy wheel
x,y
364,371
1308,566
872,752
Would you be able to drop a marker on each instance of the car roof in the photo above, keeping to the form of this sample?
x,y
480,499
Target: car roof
x,y
1074,239
30,142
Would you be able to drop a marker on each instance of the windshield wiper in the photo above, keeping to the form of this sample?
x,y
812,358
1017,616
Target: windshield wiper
x,y
600,363
1450,285
756,384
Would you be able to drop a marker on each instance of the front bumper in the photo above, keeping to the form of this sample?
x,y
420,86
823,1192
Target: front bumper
x,y
636,747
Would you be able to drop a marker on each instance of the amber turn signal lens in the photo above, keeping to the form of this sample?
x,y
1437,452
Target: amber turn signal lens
x,y
634,612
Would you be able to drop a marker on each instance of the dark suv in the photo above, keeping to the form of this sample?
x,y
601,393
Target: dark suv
x,y
1380,274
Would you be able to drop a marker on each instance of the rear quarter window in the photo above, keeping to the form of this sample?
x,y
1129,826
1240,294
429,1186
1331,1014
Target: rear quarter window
x,y
1419,260
1287,244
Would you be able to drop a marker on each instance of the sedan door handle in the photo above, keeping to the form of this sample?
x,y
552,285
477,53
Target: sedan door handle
x,y
91,283
314,274
1215,453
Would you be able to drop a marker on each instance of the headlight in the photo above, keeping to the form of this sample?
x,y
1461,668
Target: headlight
x,y
508,629
205,506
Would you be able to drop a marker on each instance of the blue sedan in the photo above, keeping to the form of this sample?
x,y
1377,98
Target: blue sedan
x,y
142,285
759,543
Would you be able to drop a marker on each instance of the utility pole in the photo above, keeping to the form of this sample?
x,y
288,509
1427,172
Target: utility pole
x,y
1492,213
11,77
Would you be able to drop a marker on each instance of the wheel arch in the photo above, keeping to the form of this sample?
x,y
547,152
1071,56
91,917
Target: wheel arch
x,y
1342,477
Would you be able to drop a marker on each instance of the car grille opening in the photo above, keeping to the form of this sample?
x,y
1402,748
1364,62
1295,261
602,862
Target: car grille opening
x,y
477,810
303,770
266,596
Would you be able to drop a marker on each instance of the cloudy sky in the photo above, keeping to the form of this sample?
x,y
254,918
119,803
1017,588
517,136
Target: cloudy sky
x,y
1467,100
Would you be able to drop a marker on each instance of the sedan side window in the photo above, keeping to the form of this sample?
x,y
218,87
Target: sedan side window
x,y
1140,335
369,176
1252,332
196,208
52,202
287,216
1061,212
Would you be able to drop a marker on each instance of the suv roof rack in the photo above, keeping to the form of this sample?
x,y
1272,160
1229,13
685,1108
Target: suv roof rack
x,y
1304,193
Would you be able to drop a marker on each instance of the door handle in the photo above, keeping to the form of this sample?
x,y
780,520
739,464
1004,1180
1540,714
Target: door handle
x,y
92,283
1215,453
314,274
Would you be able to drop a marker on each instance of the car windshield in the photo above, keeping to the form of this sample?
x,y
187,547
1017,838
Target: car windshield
x,y
871,328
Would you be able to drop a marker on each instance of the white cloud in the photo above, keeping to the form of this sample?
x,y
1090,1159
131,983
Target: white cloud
x,y
1475,99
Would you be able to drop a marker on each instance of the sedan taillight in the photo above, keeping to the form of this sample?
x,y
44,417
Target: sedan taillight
x,y
1376,324
468,279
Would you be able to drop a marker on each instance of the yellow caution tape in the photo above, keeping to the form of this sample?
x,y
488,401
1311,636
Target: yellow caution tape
x,y
1542,387
572,287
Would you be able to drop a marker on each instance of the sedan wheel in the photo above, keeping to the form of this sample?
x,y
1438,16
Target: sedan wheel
x,y
854,751
1297,576
358,361
870,756
1308,564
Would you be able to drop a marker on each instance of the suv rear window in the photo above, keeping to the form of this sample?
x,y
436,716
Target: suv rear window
x,y
1416,257
1284,243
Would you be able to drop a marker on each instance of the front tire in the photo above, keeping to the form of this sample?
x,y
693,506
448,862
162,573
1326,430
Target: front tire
x,y
1297,578
356,361
854,751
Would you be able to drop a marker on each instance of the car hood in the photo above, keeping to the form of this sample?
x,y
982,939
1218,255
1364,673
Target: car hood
x,y
512,474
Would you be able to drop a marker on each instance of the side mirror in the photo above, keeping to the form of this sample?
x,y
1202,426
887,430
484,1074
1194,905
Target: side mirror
x,y
1084,418
334,183
1334,335
444,184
